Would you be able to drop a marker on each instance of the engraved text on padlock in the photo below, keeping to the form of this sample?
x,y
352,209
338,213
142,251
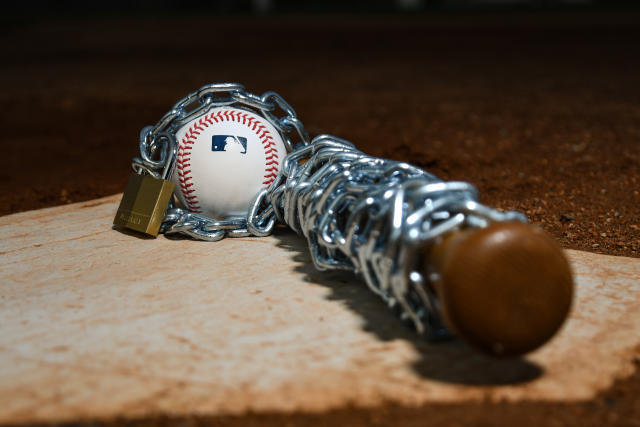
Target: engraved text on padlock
x,y
143,204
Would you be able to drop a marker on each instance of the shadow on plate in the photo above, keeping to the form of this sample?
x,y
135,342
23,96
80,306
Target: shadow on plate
x,y
449,361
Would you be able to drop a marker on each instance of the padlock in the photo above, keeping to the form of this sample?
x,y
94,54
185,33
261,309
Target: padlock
x,y
144,203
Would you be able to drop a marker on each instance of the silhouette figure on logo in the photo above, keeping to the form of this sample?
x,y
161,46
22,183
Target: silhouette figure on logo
x,y
229,143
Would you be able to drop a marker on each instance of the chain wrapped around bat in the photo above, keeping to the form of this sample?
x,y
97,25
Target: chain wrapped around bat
x,y
440,259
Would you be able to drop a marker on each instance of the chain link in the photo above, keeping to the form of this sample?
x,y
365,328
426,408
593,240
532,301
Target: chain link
x,y
158,149
371,216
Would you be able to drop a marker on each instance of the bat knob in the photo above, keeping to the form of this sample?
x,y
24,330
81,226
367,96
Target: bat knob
x,y
505,289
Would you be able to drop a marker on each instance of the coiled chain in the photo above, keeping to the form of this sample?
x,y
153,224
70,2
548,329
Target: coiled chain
x,y
371,216
158,149
359,213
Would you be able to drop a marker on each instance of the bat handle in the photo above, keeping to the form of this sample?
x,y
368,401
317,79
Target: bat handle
x,y
505,289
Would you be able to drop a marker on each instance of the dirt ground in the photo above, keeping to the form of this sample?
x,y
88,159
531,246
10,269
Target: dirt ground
x,y
540,111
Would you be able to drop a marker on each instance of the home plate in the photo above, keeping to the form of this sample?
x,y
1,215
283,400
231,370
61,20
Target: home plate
x,y
97,323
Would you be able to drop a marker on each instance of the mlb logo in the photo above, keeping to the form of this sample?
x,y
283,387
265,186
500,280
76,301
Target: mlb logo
x,y
230,143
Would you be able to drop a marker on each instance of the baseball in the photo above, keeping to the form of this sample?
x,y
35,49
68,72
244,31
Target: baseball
x,y
224,158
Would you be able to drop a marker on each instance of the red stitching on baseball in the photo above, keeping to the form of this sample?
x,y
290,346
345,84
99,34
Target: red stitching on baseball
x,y
272,162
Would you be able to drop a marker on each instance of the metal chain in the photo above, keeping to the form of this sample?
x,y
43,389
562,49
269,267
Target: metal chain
x,y
158,149
358,213
371,216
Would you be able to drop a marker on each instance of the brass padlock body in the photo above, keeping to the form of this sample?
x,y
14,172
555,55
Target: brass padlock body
x,y
144,203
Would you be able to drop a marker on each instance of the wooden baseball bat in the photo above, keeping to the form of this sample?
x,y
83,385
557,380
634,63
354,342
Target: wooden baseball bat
x,y
505,289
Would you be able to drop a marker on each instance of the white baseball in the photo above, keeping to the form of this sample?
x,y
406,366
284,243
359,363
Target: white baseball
x,y
224,158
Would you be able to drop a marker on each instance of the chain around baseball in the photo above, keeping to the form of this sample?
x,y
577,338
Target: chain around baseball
x,y
158,149
359,213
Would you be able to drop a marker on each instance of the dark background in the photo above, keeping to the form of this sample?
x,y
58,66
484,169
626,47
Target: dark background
x,y
122,7
535,102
